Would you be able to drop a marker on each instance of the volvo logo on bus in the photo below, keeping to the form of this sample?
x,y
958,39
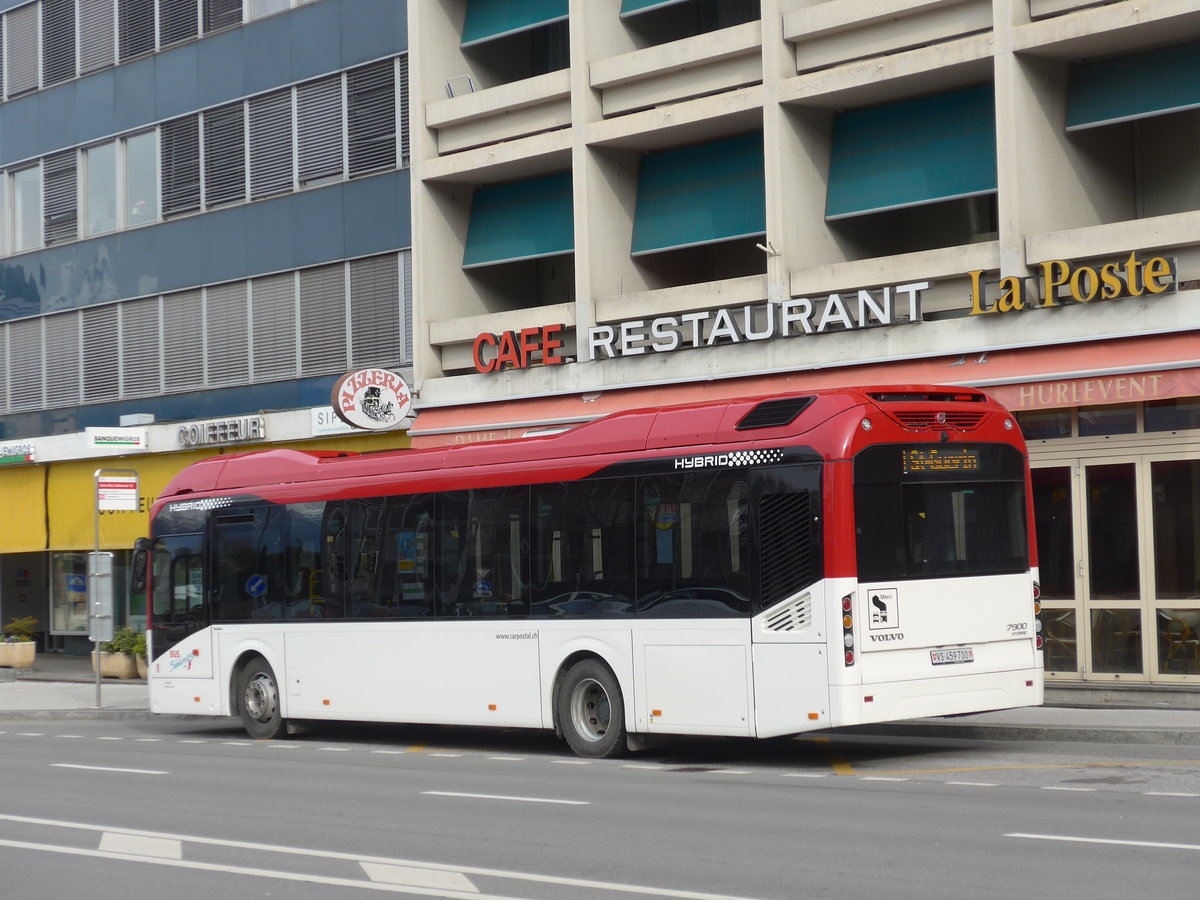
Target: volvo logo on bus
x,y
371,398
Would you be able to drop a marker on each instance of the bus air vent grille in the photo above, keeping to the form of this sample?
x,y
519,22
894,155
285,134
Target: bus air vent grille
x,y
794,616
959,421
788,557
774,413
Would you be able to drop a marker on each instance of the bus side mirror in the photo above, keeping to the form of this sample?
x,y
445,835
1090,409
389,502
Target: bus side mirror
x,y
138,566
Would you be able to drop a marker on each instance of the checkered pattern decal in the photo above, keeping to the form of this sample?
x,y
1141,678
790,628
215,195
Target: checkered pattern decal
x,y
736,459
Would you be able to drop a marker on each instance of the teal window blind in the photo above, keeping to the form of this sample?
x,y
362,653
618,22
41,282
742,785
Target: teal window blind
x,y
700,195
490,19
912,153
521,220
1138,86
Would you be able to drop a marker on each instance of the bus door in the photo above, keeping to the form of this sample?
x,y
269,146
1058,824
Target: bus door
x,y
180,646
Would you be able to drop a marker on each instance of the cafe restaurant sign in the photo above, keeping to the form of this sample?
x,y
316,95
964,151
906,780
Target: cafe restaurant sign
x,y
1060,282
794,317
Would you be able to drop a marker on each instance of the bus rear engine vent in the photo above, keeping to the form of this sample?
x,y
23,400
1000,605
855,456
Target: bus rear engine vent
x,y
774,413
794,616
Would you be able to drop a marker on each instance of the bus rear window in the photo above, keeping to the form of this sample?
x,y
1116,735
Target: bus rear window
x,y
915,519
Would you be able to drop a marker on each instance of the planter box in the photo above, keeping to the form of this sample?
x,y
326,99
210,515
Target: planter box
x,y
18,655
115,665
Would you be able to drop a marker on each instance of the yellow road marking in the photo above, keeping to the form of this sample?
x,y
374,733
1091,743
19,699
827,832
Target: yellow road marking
x,y
840,766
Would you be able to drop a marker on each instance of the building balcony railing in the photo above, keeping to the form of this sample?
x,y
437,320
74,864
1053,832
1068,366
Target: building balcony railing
x,y
474,118
838,31
693,67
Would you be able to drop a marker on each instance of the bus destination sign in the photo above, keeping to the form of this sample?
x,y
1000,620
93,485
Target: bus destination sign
x,y
937,459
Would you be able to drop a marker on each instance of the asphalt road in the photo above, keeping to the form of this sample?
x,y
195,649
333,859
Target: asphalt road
x,y
193,809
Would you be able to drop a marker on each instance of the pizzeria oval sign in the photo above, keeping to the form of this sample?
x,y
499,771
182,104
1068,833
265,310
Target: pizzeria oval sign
x,y
375,399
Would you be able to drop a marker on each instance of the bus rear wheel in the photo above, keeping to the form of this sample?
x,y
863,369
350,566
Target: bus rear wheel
x,y
591,711
258,701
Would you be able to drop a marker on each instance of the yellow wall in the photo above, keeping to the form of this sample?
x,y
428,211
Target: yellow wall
x,y
71,495
22,509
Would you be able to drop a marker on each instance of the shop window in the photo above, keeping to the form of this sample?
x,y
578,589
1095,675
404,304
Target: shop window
x,y
1061,646
1176,414
1179,641
1175,489
1117,641
1096,421
1112,532
1045,424
1052,519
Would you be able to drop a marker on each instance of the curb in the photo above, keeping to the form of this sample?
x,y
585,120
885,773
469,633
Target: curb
x,y
103,713
1082,733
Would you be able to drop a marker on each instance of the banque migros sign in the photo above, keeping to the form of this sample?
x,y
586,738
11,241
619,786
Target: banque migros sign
x,y
1061,282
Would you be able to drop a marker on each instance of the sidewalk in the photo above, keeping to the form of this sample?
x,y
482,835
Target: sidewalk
x,y
63,687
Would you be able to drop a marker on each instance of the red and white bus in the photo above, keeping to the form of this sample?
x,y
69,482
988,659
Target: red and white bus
x,y
752,567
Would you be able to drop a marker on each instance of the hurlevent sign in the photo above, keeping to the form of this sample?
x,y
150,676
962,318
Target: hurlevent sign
x,y
371,398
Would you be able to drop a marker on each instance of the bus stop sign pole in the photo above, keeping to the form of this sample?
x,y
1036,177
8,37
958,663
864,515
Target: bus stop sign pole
x,y
116,490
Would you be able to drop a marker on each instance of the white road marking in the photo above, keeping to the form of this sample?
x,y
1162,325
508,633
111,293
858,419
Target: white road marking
x,y
110,739
333,855
447,755
109,769
1108,841
508,758
335,749
140,845
30,734
571,762
393,752
731,772
414,877
881,778
504,797
971,783
1077,790
191,741
1168,794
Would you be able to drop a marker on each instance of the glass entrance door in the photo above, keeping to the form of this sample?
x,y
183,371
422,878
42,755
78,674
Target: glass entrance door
x,y
1119,566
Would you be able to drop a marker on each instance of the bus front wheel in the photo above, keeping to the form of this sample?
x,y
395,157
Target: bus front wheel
x,y
591,711
258,701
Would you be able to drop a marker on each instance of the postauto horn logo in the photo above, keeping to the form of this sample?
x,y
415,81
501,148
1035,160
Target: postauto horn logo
x,y
372,398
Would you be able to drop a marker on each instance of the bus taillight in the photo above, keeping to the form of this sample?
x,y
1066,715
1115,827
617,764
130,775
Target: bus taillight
x,y
1037,615
848,628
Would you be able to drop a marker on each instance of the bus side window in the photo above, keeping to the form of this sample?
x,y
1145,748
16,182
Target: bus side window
x,y
303,564
405,589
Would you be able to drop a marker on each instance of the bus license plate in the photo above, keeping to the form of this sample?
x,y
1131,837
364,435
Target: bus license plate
x,y
954,655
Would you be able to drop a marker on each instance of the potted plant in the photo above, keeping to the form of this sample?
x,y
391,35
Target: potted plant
x,y
139,654
17,647
117,658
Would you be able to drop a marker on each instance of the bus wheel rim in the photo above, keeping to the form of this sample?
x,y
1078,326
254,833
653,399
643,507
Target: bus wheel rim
x,y
260,698
590,710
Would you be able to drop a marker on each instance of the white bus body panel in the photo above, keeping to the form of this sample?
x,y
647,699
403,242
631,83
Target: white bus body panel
x,y
182,679
693,677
